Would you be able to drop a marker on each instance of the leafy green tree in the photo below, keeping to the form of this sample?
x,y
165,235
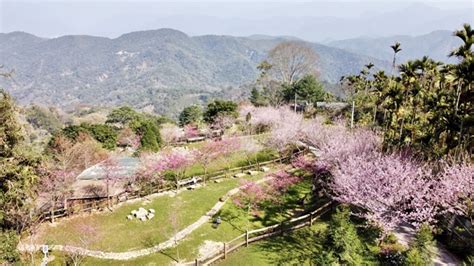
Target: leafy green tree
x,y
123,115
256,98
10,130
220,108
307,88
344,239
17,178
105,134
150,136
189,115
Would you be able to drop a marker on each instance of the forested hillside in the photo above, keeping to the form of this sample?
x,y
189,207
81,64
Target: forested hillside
x,y
164,69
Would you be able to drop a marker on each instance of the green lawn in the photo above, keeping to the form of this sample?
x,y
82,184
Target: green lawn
x,y
294,248
116,233
235,159
234,224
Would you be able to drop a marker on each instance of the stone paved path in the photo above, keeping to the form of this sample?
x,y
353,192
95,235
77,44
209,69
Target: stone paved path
x,y
127,255
406,234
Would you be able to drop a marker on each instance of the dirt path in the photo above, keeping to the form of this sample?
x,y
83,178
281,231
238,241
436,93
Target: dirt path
x,y
142,252
443,256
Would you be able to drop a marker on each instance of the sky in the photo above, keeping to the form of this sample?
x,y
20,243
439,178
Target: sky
x,y
111,18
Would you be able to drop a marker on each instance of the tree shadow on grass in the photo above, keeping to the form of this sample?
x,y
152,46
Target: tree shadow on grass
x,y
149,241
296,248
293,200
232,218
168,253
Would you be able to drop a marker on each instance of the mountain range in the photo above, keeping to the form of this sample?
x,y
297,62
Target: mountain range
x,y
160,69
436,45
164,70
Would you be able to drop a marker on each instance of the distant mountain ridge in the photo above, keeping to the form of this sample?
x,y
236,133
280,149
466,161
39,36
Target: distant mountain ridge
x,y
162,69
436,45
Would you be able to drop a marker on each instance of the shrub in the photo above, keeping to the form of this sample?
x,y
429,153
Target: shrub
x,y
392,253
8,242
421,251
344,239
414,258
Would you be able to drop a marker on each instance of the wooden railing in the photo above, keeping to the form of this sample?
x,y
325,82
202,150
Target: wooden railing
x,y
75,205
262,233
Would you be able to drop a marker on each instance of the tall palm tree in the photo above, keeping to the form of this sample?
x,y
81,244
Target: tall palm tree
x,y
466,34
396,49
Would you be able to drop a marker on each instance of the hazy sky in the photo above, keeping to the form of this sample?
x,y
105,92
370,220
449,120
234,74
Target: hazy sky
x,y
112,18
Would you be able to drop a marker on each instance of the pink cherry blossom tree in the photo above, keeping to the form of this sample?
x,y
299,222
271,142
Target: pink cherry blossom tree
x,y
55,186
210,151
113,174
454,187
171,133
249,198
191,131
223,122
229,146
383,186
282,181
176,160
128,138
250,148
149,174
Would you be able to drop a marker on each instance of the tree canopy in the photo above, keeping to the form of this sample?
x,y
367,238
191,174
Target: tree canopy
x,y
189,115
17,178
219,108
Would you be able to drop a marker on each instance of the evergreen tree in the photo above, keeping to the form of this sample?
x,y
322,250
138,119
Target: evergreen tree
x,y
150,136
307,88
190,114
344,239
256,98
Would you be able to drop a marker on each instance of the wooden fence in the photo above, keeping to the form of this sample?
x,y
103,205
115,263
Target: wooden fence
x,y
89,204
262,233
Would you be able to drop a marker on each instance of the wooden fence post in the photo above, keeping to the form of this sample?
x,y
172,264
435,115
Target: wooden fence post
x,y
225,251
52,215
246,238
310,219
196,262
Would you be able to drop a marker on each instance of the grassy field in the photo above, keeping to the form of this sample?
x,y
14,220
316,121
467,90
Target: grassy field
x,y
233,160
116,233
295,248
235,221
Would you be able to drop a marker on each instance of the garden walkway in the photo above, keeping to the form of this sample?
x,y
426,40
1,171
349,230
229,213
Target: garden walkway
x,y
146,251
443,256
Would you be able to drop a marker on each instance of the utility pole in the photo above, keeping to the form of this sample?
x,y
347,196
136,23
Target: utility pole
x,y
352,114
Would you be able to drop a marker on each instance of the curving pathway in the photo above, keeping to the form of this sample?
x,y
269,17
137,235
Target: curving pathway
x,y
127,255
